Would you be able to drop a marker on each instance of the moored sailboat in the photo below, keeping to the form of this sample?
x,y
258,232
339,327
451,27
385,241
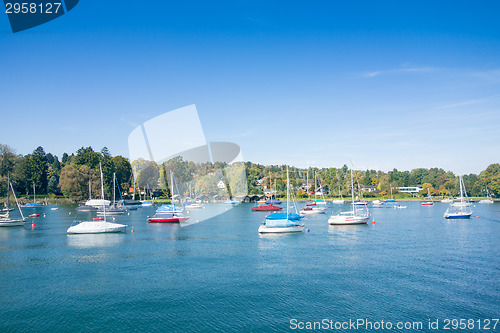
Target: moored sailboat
x,y
354,216
98,225
339,200
282,222
5,219
488,199
33,204
114,209
462,211
429,201
169,213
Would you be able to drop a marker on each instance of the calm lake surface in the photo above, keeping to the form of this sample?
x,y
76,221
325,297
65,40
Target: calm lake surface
x,y
412,265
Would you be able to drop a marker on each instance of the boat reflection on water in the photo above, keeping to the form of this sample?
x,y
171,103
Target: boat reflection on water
x,y
85,241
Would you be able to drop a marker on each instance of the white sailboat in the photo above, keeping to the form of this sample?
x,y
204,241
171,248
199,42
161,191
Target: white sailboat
x,y
93,204
282,222
488,199
314,207
192,203
391,200
5,219
339,200
322,200
98,225
169,213
463,192
114,209
462,211
354,216
428,202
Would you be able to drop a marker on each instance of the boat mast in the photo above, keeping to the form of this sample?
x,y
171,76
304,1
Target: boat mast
x,y
17,203
8,190
352,192
102,192
90,189
461,189
172,188
315,186
114,188
133,177
287,191
34,193
275,192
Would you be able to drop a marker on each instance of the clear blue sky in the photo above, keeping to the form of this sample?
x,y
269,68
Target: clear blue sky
x,y
315,83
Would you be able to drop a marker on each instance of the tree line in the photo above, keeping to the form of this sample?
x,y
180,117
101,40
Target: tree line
x,y
70,176
438,181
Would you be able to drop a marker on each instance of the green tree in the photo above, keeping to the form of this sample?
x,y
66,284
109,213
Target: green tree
x,y
123,171
149,175
39,169
65,158
56,166
22,174
53,185
491,178
108,168
87,156
74,181
7,160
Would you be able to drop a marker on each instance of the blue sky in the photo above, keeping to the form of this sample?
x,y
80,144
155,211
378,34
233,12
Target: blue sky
x,y
318,83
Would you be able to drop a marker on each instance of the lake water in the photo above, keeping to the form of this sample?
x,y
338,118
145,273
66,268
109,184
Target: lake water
x,y
412,265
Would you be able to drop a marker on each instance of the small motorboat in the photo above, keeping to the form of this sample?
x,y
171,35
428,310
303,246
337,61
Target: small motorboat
x,y
34,215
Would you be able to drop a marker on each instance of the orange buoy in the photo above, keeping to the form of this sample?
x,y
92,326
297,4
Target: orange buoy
x,y
32,226
132,230
373,222
477,217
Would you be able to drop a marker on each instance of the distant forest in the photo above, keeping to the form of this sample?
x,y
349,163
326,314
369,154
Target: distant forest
x,y
69,176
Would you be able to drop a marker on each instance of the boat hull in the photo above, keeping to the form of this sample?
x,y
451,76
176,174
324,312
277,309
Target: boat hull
x,y
31,205
96,227
486,201
86,208
11,223
460,204
168,220
457,216
347,220
312,211
427,203
267,208
280,230
194,206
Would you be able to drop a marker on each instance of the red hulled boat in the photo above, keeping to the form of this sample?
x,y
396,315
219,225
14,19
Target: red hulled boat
x,y
168,218
266,208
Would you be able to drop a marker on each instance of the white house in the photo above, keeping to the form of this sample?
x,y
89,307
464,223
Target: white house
x,y
410,189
